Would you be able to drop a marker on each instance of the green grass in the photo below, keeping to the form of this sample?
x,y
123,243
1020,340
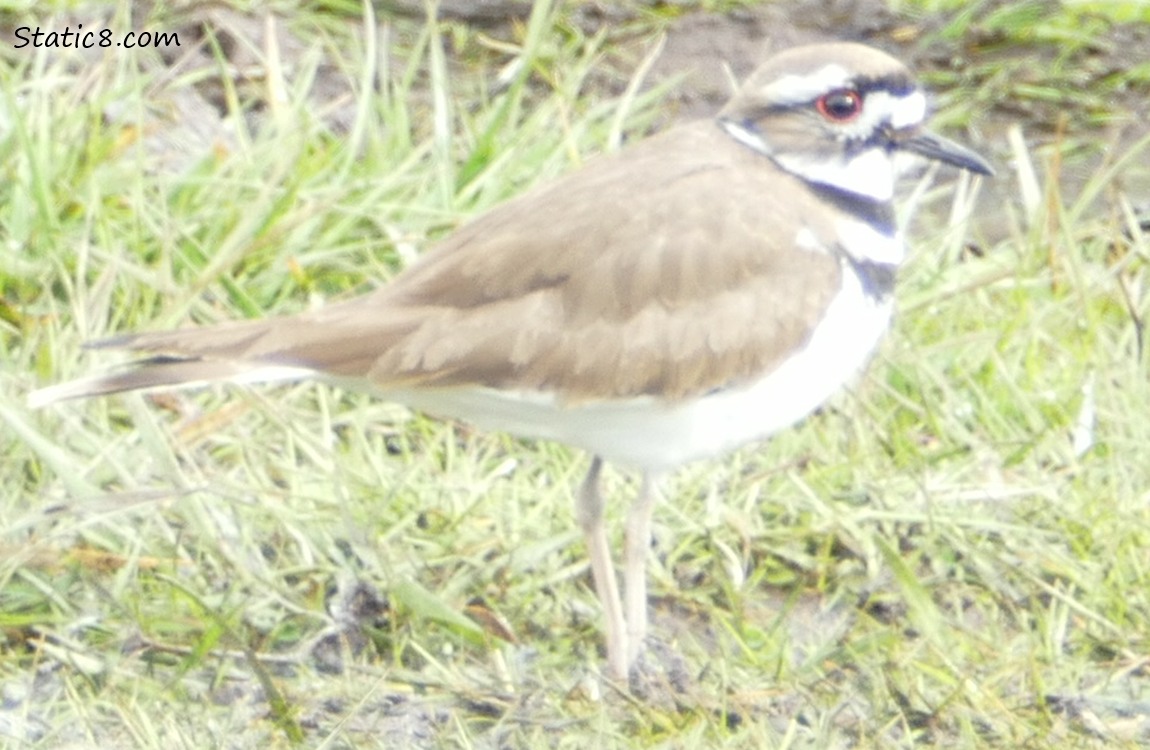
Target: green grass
x,y
931,560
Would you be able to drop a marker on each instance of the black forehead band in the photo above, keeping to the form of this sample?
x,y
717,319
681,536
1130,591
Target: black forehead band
x,y
897,85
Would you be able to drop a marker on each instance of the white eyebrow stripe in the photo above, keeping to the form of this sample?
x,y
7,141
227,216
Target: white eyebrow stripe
x,y
796,89
906,110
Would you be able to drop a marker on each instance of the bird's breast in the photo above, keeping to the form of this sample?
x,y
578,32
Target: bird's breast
x,y
650,433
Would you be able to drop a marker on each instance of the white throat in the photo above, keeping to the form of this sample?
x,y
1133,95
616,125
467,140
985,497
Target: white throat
x,y
870,173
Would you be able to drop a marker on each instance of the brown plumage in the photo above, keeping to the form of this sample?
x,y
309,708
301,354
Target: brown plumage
x,y
623,292
703,288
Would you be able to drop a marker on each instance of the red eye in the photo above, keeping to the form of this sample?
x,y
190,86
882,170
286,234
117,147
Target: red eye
x,y
840,106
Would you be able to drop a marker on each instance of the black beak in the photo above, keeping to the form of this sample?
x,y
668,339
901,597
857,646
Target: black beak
x,y
936,147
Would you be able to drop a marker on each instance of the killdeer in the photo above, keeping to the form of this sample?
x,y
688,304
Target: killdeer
x,y
703,288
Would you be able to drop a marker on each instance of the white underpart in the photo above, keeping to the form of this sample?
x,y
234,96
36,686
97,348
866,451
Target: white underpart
x,y
863,242
645,432
651,434
272,374
245,374
805,239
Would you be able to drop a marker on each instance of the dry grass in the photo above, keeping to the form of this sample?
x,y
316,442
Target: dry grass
x,y
954,554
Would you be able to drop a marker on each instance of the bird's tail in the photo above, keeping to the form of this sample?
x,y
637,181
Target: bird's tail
x,y
184,358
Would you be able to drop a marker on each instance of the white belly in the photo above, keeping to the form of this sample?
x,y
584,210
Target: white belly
x,y
650,434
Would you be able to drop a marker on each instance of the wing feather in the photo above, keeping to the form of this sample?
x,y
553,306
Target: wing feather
x,y
667,269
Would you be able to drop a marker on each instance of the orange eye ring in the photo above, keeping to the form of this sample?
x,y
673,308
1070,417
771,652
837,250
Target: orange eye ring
x,y
840,106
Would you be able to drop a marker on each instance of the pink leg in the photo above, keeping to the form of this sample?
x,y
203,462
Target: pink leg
x,y
589,512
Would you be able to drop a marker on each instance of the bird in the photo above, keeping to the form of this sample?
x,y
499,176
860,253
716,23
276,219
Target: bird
x,y
696,290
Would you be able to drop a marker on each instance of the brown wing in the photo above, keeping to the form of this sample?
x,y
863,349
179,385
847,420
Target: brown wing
x,y
667,269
